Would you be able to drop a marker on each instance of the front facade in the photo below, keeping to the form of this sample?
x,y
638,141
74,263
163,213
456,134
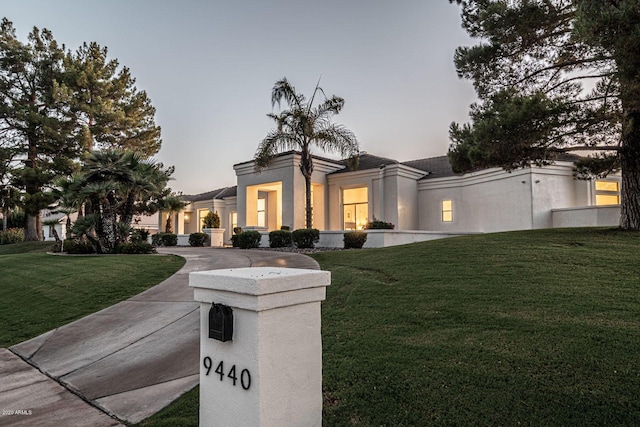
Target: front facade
x,y
421,195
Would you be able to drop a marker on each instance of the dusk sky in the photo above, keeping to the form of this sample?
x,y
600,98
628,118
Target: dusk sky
x,y
209,66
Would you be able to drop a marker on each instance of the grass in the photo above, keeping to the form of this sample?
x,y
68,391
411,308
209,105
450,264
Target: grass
x,y
527,328
40,292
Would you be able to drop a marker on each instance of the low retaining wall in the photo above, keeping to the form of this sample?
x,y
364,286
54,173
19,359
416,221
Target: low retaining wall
x,y
586,216
375,238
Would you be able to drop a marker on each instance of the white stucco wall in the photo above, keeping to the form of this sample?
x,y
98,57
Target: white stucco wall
x,y
586,216
494,200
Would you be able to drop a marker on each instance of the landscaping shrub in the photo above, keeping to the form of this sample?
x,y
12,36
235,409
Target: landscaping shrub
x,y
306,237
165,239
197,239
249,239
135,248
11,235
280,239
212,220
234,241
140,235
77,247
354,239
376,224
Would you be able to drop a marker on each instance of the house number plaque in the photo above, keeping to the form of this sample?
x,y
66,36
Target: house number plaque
x,y
243,378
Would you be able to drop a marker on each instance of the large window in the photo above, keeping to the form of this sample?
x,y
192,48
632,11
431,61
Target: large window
x,y
355,208
447,211
607,192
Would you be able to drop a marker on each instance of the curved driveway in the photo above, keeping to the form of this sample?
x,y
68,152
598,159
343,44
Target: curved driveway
x,y
131,359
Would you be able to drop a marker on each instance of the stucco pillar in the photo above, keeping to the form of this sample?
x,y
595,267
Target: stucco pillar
x,y
270,371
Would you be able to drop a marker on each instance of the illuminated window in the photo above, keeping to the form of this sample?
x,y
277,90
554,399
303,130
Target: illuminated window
x,y
607,193
447,211
234,221
262,212
355,208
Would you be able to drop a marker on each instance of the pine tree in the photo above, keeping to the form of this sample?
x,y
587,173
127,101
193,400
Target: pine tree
x,y
554,76
111,113
34,117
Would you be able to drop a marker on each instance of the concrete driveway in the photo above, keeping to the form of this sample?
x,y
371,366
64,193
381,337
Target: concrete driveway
x,y
123,363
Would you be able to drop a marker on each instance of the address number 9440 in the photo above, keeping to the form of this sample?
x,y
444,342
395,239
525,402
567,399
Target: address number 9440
x,y
244,377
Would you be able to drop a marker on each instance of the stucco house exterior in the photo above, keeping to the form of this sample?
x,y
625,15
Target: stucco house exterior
x,y
418,196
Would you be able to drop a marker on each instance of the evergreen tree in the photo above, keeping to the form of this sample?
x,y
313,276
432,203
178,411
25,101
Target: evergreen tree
x,y
554,76
111,113
34,118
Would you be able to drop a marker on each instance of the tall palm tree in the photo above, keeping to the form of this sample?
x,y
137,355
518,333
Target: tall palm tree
x,y
300,127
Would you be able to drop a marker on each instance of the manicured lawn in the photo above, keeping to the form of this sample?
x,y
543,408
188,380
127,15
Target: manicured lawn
x,y
528,328
40,292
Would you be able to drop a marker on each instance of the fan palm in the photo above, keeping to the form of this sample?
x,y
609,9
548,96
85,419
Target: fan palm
x,y
302,126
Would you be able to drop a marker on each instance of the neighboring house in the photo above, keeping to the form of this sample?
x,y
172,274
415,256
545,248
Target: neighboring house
x,y
424,195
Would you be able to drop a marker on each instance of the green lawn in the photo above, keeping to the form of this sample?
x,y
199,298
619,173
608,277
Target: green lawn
x,y
528,328
40,292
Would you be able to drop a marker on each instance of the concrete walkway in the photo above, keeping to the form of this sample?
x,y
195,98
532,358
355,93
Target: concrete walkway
x,y
129,360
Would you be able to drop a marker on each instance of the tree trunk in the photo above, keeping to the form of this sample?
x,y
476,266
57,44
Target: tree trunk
x,y
630,161
31,232
168,227
306,167
309,208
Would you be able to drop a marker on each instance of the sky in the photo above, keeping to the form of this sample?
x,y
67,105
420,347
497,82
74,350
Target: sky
x,y
208,67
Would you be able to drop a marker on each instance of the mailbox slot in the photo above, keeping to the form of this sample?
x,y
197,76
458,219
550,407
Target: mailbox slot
x,y
220,322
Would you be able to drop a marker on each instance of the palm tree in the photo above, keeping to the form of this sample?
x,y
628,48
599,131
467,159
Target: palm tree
x,y
170,203
300,127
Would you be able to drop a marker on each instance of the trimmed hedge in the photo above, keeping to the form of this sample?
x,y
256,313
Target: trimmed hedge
x,y
306,237
197,239
376,224
165,239
136,248
249,239
280,239
354,239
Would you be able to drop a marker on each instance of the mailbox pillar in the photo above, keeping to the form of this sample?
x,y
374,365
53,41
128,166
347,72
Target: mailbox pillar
x,y
270,372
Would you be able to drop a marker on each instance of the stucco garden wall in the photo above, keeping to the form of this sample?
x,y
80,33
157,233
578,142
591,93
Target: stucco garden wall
x,y
586,216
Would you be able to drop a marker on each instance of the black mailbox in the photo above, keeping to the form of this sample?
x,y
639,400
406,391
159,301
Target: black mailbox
x,y
220,322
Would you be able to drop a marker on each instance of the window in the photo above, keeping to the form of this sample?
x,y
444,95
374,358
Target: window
x,y
234,221
447,211
355,208
607,192
262,212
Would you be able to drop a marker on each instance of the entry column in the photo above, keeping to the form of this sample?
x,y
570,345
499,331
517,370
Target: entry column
x,y
265,368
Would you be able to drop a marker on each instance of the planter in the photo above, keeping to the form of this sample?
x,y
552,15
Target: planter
x,y
216,236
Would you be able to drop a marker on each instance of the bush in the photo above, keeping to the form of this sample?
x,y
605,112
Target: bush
x,y
234,241
306,237
249,239
77,247
140,235
354,239
212,220
280,239
135,248
376,224
165,239
11,235
197,239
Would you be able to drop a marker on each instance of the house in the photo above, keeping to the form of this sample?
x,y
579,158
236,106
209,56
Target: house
x,y
421,197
